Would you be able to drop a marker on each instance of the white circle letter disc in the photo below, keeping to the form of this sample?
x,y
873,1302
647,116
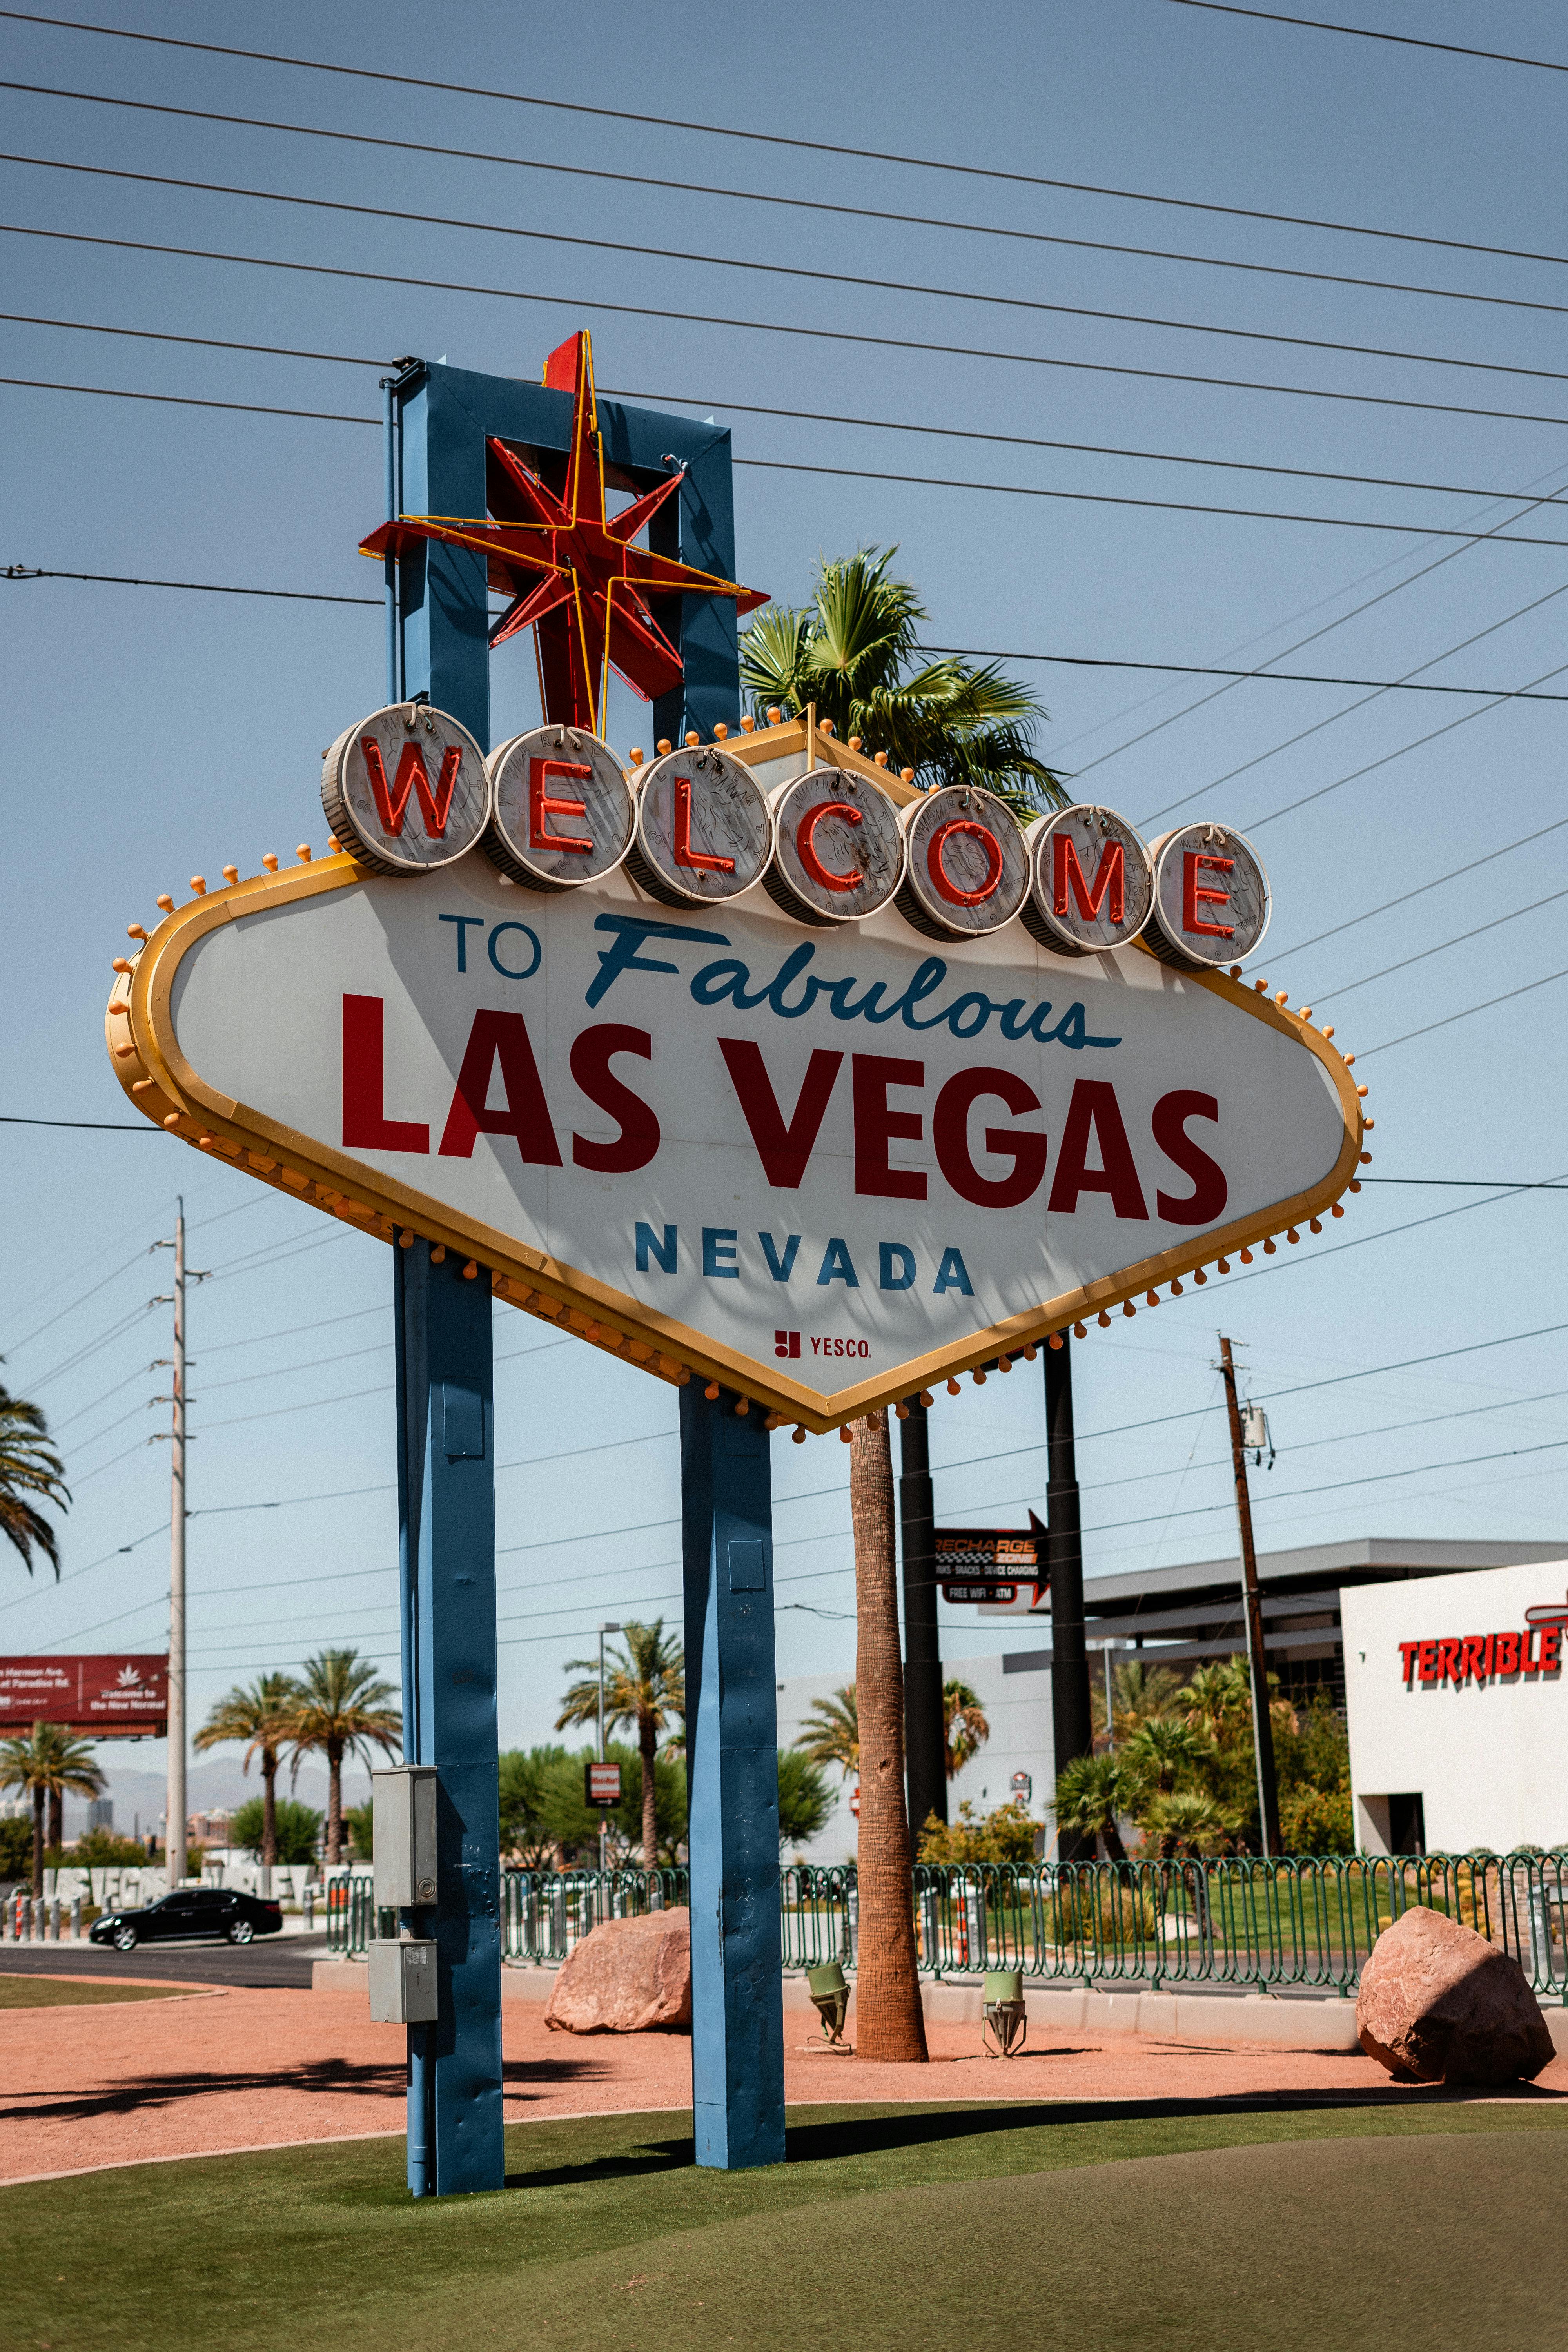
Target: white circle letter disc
x,y
405,791
703,832
563,808
1211,898
968,869
1092,882
839,852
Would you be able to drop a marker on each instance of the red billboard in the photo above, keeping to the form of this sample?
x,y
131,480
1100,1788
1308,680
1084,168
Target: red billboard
x,y
108,1696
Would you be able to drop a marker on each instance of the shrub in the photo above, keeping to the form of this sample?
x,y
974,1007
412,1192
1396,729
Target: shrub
x,y
1317,1821
298,1829
1006,1835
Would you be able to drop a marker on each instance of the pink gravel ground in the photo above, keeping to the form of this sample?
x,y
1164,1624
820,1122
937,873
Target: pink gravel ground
x,y
225,2070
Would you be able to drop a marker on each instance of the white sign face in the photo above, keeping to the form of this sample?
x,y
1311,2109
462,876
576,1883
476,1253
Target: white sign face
x,y
839,849
562,809
1093,881
1211,897
826,1167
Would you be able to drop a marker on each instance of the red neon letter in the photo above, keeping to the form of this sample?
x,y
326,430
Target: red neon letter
x,y
1209,1193
877,1126
936,865
638,1138
1529,1664
805,845
1094,1112
950,1134
1194,894
1110,881
685,854
1407,1659
1507,1653
1472,1657
1448,1663
392,802
526,1115
1427,1662
541,808
366,1123
783,1149
1551,1649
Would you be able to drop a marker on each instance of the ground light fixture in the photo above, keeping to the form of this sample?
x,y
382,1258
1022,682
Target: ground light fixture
x,y
1004,2020
830,1996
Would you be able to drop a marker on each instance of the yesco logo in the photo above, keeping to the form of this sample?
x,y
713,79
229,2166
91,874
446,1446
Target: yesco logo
x,y
787,1344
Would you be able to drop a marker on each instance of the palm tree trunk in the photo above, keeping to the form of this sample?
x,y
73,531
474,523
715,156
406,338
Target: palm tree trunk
x,y
889,2021
1110,1837
334,1806
38,1845
57,1833
268,1806
649,1809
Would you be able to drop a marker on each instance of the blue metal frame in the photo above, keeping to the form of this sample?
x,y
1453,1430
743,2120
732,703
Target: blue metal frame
x,y
731,1765
445,414
437,420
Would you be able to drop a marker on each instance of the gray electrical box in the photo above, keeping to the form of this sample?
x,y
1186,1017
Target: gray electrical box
x,y
404,1835
401,1982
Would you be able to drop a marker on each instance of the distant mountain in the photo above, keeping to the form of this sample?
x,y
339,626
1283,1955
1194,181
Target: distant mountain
x,y
216,1781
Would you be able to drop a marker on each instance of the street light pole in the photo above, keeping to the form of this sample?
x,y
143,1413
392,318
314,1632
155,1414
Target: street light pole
x,y
1258,1664
603,1817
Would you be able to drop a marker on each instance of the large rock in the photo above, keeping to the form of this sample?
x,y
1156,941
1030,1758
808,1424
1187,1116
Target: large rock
x,y
628,1976
1439,2004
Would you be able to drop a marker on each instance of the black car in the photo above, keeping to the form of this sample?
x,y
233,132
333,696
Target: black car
x,y
209,1911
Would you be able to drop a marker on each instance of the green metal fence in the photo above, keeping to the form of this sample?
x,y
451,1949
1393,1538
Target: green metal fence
x,y
1307,1921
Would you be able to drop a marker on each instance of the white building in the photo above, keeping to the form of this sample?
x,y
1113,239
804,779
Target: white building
x,y
1457,1715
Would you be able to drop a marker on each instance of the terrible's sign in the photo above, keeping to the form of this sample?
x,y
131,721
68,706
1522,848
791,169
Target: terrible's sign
x,y
751,1061
109,1697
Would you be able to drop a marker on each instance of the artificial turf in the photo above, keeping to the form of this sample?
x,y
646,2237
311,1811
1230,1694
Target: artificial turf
x,y
18,1992
1416,2225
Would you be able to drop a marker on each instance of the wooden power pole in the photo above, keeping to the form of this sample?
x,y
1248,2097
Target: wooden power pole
x,y
1262,1725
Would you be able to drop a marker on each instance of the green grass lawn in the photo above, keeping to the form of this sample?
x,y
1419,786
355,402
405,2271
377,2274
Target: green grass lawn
x,y
888,2227
67,1992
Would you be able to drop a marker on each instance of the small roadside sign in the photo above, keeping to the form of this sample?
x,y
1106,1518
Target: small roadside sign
x,y
602,1785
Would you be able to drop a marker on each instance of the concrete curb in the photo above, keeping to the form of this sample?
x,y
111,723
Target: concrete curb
x,y
1286,2024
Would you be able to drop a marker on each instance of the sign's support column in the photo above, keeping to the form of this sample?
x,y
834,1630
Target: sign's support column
x,y
447,1450
446,1479
731,1762
925,1760
174,1827
1072,1720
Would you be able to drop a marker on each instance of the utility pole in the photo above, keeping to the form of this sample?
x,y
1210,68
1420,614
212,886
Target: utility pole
x,y
1257,1667
1072,1721
174,1829
925,1755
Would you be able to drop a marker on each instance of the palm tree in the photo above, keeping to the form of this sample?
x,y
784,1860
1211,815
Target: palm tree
x,y
888,1994
46,1766
1092,1794
1218,1700
339,1709
1167,1752
1138,1693
833,1737
855,653
965,1729
1189,1821
261,1717
644,1688
28,1465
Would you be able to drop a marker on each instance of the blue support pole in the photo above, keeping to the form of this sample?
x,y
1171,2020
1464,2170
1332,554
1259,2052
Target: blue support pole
x,y
446,1479
731,1751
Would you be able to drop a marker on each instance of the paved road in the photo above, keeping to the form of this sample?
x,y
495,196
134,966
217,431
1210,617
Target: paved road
x,y
272,1961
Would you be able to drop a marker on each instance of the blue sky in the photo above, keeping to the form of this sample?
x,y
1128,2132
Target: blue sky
x,y
154,735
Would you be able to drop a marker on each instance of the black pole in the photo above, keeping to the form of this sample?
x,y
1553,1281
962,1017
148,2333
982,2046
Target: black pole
x,y
1071,1717
1257,1659
925,1750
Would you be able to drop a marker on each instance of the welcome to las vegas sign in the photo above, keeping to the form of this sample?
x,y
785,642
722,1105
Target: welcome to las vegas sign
x,y
750,1063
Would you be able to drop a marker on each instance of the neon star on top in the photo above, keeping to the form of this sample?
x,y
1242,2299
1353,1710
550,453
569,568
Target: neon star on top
x,y
571,571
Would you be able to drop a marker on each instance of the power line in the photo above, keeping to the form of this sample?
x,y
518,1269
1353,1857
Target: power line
x,y
198,587
1249,677
1454,874
1449,1018
1011,232
1457,939
580,302
754,408
103,1125
784,269
1363,32
643,123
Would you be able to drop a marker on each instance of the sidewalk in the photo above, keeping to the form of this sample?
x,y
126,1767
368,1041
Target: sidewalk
x,y
232,2069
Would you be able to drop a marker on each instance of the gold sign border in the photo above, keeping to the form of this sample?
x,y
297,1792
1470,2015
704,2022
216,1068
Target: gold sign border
x,y
161,1084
